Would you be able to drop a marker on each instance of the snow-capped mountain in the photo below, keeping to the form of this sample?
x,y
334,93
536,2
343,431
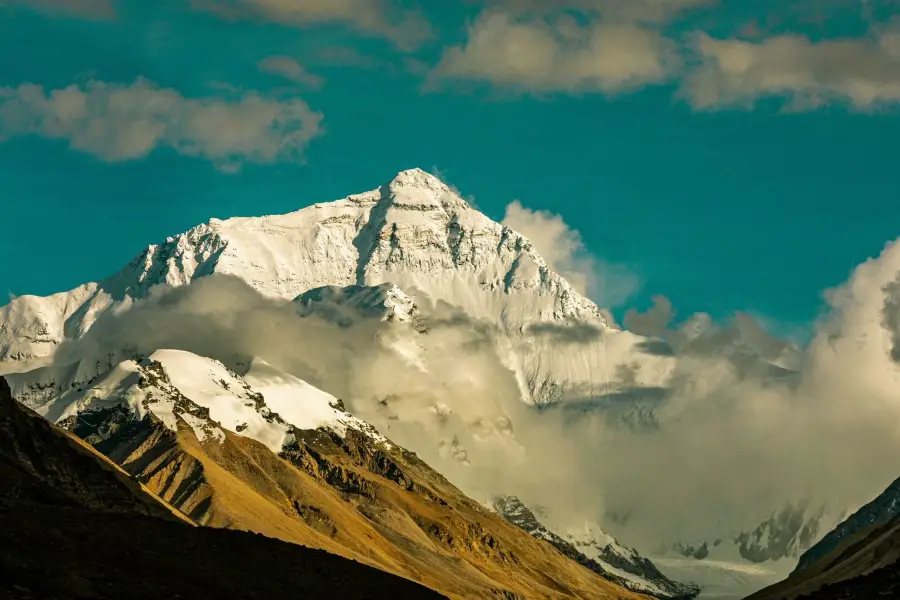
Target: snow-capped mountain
x,y
410,254
413,234
171,385
210,443
597,551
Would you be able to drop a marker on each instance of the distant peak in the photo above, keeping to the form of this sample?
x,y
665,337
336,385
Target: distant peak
x,y
417,178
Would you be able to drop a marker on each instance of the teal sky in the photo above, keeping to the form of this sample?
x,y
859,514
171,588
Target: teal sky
x,y
748,172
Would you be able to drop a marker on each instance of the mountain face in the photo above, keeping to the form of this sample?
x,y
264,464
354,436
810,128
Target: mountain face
x,y
412,234
883,509
786,534
69,516
598,552
268,453
41,464
846,565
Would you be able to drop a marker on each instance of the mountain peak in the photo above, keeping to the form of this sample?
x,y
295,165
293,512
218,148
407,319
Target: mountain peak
x,y
419,179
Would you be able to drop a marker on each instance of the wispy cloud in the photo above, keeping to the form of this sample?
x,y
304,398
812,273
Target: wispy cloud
x,y
347,56
863,73
119,122
652,11
383,18
290,69
561,246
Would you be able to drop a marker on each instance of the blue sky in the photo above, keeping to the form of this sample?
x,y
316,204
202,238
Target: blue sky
x,y
730,155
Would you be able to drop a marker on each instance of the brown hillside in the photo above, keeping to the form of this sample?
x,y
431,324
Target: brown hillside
x,y
376,504
75,526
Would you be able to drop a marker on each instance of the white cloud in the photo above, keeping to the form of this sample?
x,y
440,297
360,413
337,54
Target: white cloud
x,y
384,18
546,54
290,69
442,175
121,122
561,246
863,73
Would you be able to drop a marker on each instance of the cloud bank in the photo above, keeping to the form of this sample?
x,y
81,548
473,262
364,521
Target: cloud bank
x,y
730,444
561,246
614,47
862,73
118,122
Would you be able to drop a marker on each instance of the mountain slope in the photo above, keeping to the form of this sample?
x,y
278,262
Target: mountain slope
x,y
604,556
210,442
858,555
883,509
863,566
69,518
45,464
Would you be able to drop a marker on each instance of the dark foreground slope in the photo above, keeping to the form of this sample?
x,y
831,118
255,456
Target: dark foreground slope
x,y
862,567
73,525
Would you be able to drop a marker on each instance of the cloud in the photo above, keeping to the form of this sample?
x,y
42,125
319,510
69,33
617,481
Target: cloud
x,y
91,9
743,339
384,18
652,11
117,122
728,447
290,69
442,175
891,316
561,246
653,323
863,73
572,333
347,56
538,54
467,396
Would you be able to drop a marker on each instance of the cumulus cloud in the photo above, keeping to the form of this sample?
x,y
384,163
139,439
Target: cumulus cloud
x,y
738,436
466,399
96,9
385,18
548,54
743,339
863,73
561,246
119,122
653,323
290,69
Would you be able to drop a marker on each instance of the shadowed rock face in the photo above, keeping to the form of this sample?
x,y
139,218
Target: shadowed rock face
x,y
39,463
883,509
861,566
514,511
73,525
